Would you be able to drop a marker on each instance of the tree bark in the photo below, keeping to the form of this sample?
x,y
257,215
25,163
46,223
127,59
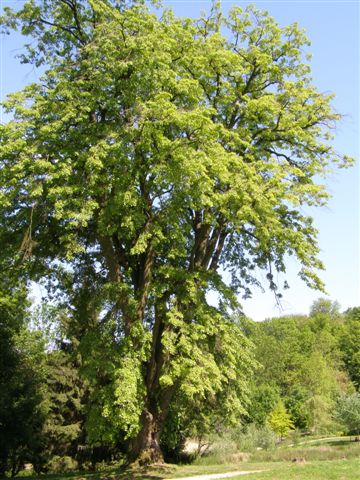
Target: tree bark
x,y
146,447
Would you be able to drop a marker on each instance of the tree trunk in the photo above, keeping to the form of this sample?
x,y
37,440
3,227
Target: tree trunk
x,y
146,447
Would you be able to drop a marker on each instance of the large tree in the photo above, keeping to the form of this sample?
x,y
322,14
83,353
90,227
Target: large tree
x,y
154,154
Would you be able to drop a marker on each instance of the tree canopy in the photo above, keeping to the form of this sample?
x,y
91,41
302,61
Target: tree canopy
x,y
155,153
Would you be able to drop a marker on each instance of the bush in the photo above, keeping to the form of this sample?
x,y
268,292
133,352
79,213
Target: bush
x,y
62,464
348,413
253,438
235,445
295,437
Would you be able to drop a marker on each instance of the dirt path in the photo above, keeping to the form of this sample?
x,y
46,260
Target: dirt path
x,y
214,476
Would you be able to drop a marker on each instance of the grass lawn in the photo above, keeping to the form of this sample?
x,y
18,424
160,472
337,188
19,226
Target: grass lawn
x,y
317,470
330,459
156,472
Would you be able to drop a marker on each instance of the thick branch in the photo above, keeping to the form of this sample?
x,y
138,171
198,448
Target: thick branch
x,y
73,6
202,231
219,248
211,244
144,279
63,28
157,357
111,259
114,274
250,79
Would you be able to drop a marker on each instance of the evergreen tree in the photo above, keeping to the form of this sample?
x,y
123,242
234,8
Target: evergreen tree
x,y
22,411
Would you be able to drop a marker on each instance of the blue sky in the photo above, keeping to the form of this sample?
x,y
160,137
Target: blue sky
x,y
333,28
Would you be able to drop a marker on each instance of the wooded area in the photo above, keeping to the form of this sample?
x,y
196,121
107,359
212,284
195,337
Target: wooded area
x,y
158,161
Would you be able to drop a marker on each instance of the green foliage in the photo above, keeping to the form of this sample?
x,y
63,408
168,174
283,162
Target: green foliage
x,y
350,345
323,306
63,464
22,412
301,361
348,413
263,399
71,396
241,133
193,416
115,401
254,437
280,421
64,429
319,410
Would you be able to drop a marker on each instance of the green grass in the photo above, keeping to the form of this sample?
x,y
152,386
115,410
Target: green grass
x,y
325,459
320,451
336,448
157,472
318,470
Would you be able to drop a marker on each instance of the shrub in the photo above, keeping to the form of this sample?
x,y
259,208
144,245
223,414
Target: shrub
x,y
235,445
63,464
253,438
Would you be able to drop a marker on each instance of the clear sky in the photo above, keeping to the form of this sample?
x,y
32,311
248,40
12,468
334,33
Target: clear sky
x,y
333,28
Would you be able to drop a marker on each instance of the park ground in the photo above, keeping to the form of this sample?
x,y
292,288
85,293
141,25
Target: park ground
x,y
317,459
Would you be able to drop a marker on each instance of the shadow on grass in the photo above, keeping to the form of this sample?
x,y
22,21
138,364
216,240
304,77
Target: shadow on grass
x,y
151,473
93,476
